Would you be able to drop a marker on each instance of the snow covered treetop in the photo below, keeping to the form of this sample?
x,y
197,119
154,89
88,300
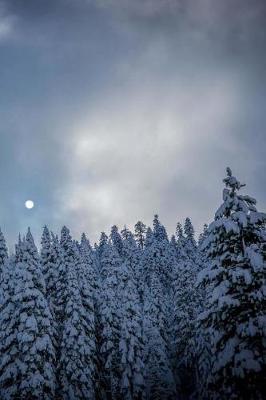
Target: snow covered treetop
x,y
233,202
231,181
237,214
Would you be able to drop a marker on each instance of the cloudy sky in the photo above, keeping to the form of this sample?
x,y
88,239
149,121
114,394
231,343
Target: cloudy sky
x,y
113,110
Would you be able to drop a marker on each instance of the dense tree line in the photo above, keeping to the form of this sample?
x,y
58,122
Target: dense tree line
x,y
138,316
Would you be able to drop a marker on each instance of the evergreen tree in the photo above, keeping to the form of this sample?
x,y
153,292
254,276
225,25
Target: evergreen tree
x,y
50,262
30,374
102,242
235,315
133,253
190,242
184,312
180,240
89,271
110,320
140,231
9,353
85,276
76,365
159,378
131,340
160,256
3,251
185,301
159,230
77,338
202,339
116,239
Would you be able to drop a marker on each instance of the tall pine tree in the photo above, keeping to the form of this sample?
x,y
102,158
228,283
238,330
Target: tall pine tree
x,y
131,337
31,373
235,315
3,251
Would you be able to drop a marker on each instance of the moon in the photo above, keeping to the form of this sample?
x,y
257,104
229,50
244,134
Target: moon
x,y
29,204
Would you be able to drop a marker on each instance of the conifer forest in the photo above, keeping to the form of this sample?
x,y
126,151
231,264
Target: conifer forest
x,y
140,315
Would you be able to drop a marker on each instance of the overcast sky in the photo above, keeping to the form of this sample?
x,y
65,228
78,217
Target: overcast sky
x,y
113,110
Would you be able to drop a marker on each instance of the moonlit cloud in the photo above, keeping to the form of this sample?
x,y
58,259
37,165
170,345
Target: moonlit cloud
x,y
112,111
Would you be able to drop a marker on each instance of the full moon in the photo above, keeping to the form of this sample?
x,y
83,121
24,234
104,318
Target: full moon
x,y
29,204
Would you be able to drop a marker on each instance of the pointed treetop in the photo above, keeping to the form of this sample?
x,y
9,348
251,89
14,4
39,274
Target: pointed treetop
x,y
29,237
30,244
18,249
158,229
188,228
46,231
84,238
65,231
65,235
140,231
116,239
234,202
231,181
85,243
46,237
179,231
103,239
102,243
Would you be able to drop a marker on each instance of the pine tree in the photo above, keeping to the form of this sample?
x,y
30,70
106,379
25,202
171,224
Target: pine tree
x,y
140,231
92,271
160,256
30,374
184,323
185,308
77,339
102,242
3,251
157,264
133,253
116,239
110,319
76,365
9,353
190,242
159,230
50,262
131,340
90,262
180,240
159,377
235,315
156,254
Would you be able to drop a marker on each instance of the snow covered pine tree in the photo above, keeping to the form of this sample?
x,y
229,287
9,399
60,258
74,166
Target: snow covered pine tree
x,y
27,370
3,251
235,315
131,335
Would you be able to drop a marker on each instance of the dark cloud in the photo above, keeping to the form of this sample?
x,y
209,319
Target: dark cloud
x,y
113,110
